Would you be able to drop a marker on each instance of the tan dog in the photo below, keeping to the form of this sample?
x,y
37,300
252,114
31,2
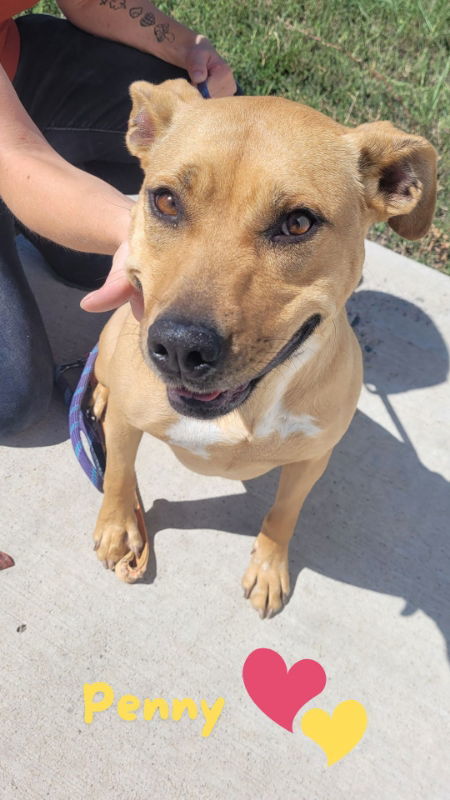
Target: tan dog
x,y
247,239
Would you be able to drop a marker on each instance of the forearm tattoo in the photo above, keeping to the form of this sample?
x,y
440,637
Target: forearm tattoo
x,y
146,19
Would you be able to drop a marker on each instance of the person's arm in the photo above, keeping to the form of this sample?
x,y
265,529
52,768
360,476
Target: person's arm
x,y
49,195
61,202
140,24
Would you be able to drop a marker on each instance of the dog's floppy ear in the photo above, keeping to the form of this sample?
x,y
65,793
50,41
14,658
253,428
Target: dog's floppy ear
x,y
398,172
153,109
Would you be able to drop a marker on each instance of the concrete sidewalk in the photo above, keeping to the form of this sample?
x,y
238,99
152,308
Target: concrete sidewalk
x,y
370,565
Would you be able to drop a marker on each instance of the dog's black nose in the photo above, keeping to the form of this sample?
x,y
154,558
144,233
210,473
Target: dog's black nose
x,y
184,349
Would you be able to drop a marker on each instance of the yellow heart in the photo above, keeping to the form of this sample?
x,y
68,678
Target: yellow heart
x,y
338,733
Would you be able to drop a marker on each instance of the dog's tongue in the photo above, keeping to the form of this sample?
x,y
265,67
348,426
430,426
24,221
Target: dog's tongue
x,y
197,395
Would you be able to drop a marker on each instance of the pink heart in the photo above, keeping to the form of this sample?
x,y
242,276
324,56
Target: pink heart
x,y
280,692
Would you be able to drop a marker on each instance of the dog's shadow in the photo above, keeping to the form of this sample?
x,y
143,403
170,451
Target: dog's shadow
x,y
378,518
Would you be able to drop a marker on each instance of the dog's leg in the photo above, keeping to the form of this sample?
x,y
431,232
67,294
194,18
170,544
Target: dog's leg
x,y
117,531
99,400
266,581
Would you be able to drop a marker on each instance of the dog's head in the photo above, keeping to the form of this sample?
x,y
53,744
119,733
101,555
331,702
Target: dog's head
x,y
248,234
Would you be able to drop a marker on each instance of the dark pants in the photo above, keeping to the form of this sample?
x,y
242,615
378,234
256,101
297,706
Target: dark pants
x,y
75,88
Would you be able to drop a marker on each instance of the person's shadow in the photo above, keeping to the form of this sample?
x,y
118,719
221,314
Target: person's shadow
x,y
378,518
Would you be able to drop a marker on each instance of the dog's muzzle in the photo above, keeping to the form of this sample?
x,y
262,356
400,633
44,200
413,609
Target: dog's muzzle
x,y
187,353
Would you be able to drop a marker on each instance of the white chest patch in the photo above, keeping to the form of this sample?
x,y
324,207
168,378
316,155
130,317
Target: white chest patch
x,y
195,435
285,424
277,419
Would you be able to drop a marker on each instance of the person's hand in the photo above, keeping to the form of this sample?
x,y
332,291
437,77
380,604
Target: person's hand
x,y
117,288
203,63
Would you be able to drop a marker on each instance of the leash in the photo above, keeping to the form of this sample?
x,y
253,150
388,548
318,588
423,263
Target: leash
x,y
204,91
82,421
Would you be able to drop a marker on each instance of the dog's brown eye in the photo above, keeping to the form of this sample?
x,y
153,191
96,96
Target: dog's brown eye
x,y
166,204
297,224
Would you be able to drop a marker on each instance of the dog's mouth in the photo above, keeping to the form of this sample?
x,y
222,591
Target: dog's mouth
x,y
211,404
208,405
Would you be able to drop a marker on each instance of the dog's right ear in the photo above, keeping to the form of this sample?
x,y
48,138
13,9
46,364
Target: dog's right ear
x,y
153,109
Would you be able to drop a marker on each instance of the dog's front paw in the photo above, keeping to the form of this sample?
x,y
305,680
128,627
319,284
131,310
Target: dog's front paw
x,y
266,581
116,533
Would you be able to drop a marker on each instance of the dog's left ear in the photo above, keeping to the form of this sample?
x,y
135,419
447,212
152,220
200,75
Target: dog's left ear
x,y
398,172
153,109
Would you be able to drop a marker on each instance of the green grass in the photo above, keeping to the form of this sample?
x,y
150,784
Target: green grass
x,y
355,60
